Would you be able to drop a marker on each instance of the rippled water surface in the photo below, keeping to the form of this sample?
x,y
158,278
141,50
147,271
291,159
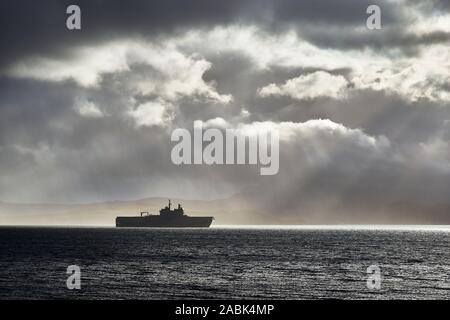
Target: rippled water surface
x,y
223,263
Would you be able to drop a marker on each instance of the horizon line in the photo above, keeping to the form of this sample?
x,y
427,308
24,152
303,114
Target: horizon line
x,y
398,227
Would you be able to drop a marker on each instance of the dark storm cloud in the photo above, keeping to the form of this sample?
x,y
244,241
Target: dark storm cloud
x,y
28,107
45,141
38,27
395,39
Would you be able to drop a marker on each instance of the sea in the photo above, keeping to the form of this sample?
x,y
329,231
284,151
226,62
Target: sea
x,y
226,262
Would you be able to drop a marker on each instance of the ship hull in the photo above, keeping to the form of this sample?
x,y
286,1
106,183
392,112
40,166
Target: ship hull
x,y
163,222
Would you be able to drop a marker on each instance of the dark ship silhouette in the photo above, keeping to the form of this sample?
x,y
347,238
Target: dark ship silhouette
x,y
167,218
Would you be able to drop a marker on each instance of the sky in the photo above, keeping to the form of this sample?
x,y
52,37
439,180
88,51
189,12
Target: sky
x,y
364,115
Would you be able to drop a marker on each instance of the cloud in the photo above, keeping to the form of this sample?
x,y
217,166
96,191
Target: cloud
x,y
320,142
330,173
85,65
154,113
170,73
88,109
310,86
425,77
217,123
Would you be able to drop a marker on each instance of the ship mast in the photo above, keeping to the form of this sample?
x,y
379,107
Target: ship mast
x,y
169,204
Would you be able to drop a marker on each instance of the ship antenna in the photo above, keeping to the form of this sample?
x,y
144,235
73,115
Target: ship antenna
x,y
169,204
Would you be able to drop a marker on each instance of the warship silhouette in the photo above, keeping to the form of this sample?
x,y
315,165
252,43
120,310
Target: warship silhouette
x,y
167,218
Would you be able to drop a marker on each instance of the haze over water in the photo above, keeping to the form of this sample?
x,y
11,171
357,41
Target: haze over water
x,y
251,262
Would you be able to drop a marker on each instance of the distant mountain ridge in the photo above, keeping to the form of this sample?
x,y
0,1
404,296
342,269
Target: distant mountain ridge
x,y
226,211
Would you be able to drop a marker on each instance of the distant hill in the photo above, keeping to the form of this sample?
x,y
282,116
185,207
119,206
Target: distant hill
x,y
226,211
